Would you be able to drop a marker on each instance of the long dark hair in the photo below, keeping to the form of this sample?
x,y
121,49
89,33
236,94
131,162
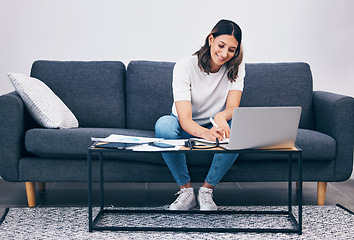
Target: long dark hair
x,y
222,27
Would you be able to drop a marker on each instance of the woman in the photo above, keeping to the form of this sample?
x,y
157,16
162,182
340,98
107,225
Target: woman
x,y
207,84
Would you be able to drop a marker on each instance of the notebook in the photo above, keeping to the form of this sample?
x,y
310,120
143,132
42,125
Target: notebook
x,y
263,127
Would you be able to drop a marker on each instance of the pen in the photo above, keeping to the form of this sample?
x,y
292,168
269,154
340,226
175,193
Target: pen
x,y
214,124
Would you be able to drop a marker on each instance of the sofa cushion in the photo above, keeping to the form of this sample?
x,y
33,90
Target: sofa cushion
x,y
94,91
315,146
149,93
43,105
73,143
280,84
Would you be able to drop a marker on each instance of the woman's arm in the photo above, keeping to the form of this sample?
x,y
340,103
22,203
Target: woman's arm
x,y
221,118
184,111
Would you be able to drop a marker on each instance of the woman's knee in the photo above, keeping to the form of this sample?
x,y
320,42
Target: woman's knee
x,y
167,127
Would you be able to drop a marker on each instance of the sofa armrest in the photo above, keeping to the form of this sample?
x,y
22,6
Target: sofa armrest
x,y
12,129
334,116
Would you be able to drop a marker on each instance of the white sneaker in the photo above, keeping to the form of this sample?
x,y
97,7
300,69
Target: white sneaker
x,y
205,199
185,201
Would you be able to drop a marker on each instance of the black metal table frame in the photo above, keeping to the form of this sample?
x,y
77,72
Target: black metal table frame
x,y
296,223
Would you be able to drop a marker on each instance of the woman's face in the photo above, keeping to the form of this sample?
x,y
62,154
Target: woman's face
x,y
222,49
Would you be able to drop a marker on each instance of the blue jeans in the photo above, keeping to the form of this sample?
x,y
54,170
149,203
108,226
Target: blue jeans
x,y
168,127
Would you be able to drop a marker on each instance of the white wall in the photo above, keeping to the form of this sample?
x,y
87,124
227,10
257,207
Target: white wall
x,y
319,32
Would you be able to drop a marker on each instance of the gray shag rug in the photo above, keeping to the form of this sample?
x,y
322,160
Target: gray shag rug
x,y
319,222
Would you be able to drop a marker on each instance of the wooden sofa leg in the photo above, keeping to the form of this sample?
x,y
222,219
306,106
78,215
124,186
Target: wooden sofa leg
x,y
31,194
41,186
321,193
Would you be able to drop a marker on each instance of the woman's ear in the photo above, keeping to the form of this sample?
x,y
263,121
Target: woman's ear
x,y
211,39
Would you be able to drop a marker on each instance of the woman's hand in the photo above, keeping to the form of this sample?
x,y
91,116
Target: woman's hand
x,y
213,133
223,126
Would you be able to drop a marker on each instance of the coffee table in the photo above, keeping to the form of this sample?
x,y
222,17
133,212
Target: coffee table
x,y
296,223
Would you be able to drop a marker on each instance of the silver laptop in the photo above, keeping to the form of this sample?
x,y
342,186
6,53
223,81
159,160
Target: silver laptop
x,y
263,127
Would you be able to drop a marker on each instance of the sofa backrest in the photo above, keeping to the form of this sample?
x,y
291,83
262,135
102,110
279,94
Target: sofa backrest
x,y
149,90
149,93
280,84
93,91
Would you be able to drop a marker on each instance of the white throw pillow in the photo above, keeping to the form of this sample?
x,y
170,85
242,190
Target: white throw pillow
x,y
42,103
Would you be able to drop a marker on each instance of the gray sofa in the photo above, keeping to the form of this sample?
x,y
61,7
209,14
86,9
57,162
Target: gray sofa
x,y
106,97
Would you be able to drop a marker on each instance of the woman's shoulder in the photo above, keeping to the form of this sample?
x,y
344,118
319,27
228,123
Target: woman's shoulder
x,y
188,61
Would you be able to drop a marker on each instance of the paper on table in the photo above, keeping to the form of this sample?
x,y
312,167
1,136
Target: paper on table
x,y
178,143
175,142
126,139
148,148
142,142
